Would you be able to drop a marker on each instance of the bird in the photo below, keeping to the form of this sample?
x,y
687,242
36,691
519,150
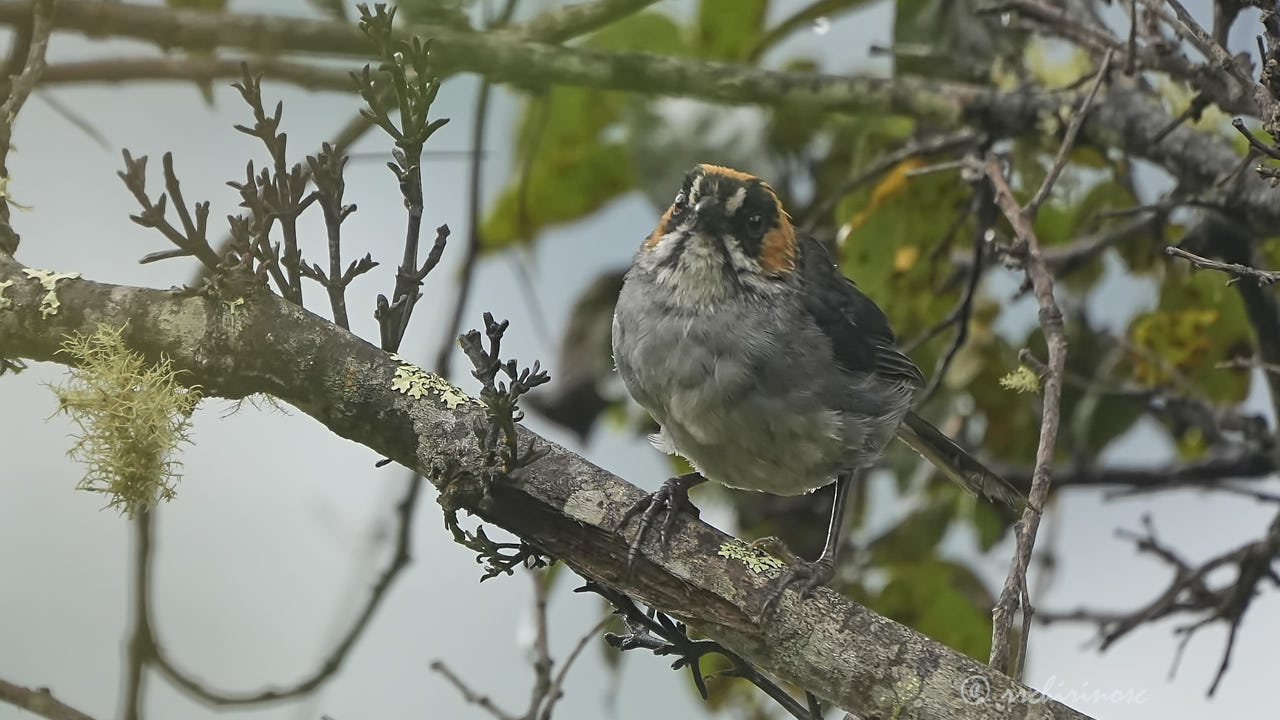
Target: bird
x,y
765,367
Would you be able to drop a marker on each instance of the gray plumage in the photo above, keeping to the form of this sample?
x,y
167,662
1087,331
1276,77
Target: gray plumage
x,y
764,366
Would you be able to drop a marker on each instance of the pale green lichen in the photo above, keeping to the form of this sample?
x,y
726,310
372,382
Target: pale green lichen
x,y
756,560
416,382
904,691
4,190
48,280
5,302
1021,380
132,415
233,305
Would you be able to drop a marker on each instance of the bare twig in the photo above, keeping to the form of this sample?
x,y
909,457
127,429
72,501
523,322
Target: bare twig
x,y
484,702
1051,323
556,689
39,701
931,145
142,644
467,272
541,648
1237,271
1192,592
1069,139
333,660
326,170
547,687
407,68
1210,48
20,88
984,211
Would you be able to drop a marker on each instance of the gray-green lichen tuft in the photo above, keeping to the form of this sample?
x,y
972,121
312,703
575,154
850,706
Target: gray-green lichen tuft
x,y
132,416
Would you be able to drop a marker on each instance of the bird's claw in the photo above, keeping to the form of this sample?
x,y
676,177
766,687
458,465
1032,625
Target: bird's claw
x,y
809,575
673,498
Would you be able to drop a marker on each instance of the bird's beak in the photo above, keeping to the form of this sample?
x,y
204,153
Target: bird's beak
x,y
707,216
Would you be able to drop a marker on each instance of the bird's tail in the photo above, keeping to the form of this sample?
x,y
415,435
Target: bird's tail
x,y
955,463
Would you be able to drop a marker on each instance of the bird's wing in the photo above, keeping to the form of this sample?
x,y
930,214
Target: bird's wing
x,y
859,331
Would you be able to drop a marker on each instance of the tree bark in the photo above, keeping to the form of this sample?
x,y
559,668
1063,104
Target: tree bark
x,y
562,504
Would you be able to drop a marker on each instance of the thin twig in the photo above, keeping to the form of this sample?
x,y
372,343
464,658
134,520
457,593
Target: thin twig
x,y
556,690
1210,48
471,254
1237,271
1069,140
332,662
484,702
19,90
1191,591
142,644
925,146
984,211
39,701
1055,337
541,647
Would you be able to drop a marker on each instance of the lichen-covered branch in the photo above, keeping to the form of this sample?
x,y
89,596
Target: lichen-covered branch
x,y
258,343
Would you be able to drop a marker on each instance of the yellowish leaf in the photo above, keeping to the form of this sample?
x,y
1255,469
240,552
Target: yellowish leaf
x,y
904,258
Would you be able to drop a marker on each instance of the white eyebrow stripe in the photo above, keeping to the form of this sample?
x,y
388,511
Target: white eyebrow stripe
x,y
696,188
736,200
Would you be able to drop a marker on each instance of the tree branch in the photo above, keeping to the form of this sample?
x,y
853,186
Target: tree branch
x,y
560,24
40,14
562,504
39,701
1041,277
1237,271
1124,116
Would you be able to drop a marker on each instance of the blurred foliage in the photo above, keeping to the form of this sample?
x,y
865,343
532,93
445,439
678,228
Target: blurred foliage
x,y
569,163
905,237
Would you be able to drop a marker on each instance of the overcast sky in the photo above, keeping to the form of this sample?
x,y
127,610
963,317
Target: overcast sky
x,y
280,527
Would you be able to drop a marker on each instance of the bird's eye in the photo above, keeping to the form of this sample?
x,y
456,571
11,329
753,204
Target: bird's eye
x,y
680,202
755,224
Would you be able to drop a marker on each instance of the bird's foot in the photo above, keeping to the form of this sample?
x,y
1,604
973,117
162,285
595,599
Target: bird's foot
x,y
808,576
671,498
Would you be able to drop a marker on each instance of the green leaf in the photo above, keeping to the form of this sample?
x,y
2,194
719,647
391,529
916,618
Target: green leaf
x,y
943,600
570,161
916,537
990,524
1199,323
961,43
888,240
728,29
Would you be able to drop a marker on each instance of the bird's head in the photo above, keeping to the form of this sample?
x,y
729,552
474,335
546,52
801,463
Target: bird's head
x,y
726,232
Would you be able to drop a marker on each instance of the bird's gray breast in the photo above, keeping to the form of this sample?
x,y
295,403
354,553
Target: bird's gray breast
x,y
742,389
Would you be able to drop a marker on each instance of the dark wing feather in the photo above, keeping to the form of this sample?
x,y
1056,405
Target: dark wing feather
x,y
858,329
